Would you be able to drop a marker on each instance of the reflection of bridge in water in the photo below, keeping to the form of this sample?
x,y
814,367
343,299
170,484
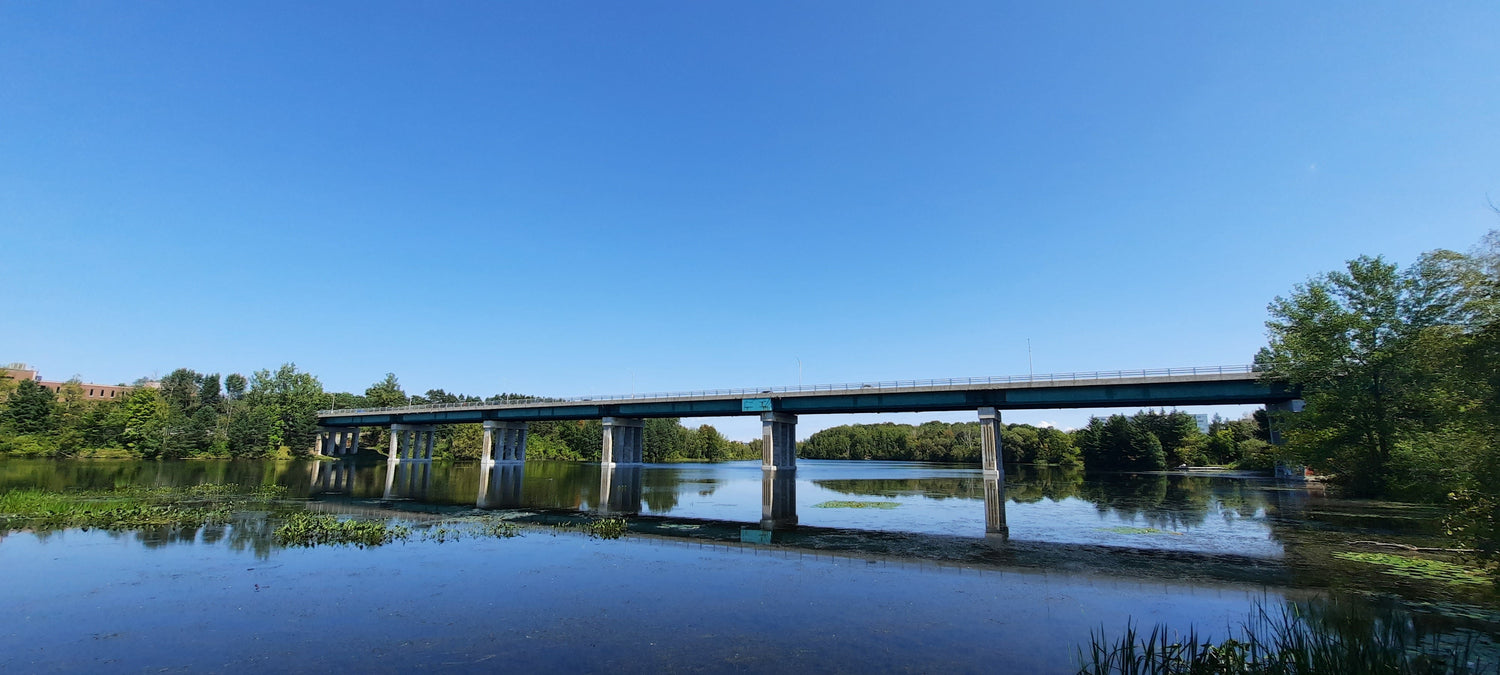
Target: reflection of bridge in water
x,y
621,493
413,429
621,490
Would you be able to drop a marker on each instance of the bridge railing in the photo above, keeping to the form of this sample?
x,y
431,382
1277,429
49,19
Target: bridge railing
x,y
866,387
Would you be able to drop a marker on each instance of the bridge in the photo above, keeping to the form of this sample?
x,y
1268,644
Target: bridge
x,y
413,428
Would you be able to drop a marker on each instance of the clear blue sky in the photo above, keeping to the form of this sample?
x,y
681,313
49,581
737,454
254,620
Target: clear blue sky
x,y
571,198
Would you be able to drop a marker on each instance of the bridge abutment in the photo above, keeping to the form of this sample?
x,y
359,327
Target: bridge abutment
x,y
503,442
624,440
991,452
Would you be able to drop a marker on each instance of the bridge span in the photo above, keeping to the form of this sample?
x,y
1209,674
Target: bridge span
x,y
413,428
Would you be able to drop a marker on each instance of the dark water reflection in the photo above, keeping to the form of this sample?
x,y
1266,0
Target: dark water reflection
x,y
1200,513
1083,550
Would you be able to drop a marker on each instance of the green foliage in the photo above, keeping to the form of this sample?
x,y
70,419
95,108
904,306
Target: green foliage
x,y
1379,355
29,408
597,528
129,508
302,529
856,505
1308,638
1419,568
1121,442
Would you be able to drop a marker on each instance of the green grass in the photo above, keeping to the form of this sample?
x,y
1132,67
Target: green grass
x,y
856,505
1420,568
1299,639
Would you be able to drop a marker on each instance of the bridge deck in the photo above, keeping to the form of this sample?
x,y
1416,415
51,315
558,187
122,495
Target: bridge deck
x,y
1215,385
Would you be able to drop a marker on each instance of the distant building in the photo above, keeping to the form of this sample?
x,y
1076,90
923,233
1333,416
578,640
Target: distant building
x,y
1202,422
97,392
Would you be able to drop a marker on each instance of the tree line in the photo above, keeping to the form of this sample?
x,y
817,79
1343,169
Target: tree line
x,y
1149,440
274,414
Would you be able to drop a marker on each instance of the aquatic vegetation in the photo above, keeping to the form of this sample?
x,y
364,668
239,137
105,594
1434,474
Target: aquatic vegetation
x,y
1123,529
599,528
302,529
455,530
1419,568
1299,639
856,505
127,508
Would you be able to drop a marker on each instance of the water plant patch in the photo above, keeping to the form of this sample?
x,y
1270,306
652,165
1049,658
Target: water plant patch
x,y
856,505
1419,568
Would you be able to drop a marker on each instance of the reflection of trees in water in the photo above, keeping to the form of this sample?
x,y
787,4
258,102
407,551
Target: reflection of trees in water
x,y
662,490
964,487
1030,484
247,530
1163,501
1171,501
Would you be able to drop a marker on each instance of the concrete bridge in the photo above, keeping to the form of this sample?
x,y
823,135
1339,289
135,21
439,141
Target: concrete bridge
x,y
413,428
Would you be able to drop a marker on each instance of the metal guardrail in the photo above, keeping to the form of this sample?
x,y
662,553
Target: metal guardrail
x,y
864,387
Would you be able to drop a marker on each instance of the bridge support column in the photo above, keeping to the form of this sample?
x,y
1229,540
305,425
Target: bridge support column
x,y
412,443
398,442
342,442
992,457
321,443
778,441
624,439
504,441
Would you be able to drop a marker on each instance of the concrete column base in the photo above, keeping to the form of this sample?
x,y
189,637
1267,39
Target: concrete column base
x,y
624,441
991,452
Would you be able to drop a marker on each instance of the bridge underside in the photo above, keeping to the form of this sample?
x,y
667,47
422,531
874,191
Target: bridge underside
x,y
1133,395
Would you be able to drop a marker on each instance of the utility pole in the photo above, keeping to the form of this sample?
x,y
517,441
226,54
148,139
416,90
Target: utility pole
x,y
1030,372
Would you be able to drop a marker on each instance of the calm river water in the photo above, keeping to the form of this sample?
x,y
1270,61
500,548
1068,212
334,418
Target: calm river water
x,y
889,569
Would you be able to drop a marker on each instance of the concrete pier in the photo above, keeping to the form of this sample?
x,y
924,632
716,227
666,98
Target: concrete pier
x,y
503,442
778,441
994,508
624,440
778,500
340,442
412,442
619,490
992,457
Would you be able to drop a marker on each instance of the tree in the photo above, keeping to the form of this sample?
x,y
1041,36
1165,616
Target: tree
x,y
29,410
1377,352
145,422
180,390
291,400
234,385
